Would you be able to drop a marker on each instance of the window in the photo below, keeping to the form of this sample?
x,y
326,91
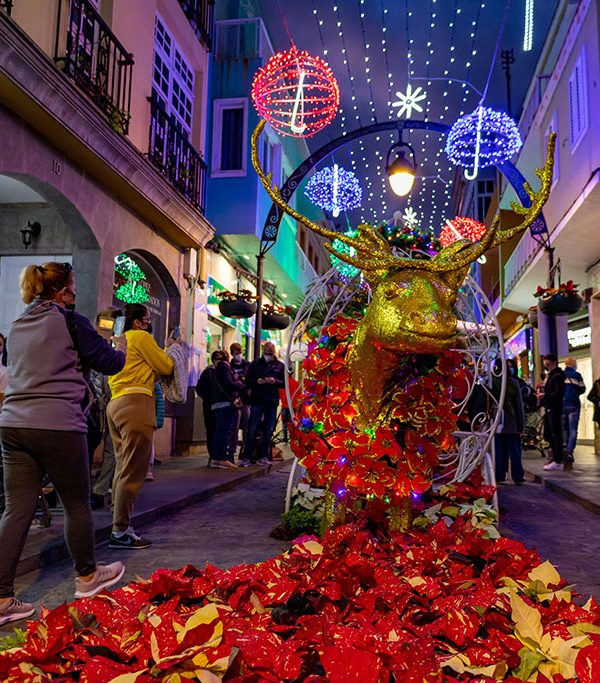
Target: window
x,y
230,139
553,128
485,191
172,79
578,105
269,153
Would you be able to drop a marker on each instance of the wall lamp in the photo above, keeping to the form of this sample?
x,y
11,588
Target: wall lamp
x,y
401,172
29,233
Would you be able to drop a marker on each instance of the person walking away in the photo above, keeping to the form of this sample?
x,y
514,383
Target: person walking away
x,y
225,401
203,390
132,420
43,426
552,402
265,378
507,440
574,387
239,369
594,397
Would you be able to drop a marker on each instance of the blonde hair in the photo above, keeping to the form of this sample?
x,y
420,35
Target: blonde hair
x,y
42,282
570,362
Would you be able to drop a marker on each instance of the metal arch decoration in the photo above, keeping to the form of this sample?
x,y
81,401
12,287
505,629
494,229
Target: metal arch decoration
x,y
275,215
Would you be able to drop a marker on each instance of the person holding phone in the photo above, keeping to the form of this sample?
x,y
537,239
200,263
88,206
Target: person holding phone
x,y
43,426
132,419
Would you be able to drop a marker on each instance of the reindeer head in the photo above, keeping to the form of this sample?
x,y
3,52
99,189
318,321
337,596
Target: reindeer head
x,y
412,306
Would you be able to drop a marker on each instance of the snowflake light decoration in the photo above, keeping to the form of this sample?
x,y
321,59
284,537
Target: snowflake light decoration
x,y
484,137
410,217
334,189
409,101
461,228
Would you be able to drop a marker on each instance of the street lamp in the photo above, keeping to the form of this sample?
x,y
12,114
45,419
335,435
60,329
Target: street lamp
x,y
401,171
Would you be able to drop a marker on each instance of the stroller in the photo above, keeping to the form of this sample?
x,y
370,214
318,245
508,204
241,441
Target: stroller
x,y
533,434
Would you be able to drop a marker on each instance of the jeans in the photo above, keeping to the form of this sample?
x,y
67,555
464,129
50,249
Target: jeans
x,y
267,414
508,448
27,455
571,421
209,427
224,423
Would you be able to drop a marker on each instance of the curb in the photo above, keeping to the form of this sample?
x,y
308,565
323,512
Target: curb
x,y
55,548
565,492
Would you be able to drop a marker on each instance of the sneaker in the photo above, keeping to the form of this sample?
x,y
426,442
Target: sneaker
x,y
105,575
14,610
568,464
264,461
128,540
245,463
224,465
553,466
149,476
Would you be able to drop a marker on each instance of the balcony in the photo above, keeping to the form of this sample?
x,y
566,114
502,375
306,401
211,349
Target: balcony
x,y
200,15
6,5
517,263
96,61
171,152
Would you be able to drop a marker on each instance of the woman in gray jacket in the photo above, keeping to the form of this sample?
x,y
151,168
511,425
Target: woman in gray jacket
x,y
43,426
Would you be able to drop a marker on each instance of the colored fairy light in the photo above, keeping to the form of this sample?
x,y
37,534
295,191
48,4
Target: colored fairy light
x,y
528,30
334,189
461,228
296,93
346,271
483,138
409,101
131,291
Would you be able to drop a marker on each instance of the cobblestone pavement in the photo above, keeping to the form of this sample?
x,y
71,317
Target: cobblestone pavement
x,y
559,529
228,529
234,527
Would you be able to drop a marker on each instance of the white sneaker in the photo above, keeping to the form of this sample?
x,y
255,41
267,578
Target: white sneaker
x,y
264,461
105,575
14,610
553,466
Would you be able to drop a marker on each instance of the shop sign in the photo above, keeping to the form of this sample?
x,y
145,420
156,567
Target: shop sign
x,y
579,338
517,344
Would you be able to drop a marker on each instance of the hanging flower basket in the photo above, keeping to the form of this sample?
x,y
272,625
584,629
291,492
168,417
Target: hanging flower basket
x,y
275,317
561,300
275,321
237,305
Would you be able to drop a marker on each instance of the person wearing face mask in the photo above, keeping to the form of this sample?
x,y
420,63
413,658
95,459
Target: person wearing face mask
x,y
43,426
239,370
265,378
132,420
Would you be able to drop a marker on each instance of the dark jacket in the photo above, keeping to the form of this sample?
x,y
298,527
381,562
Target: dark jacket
x,y
224,388
594,397
47,388
239,372
204,385
574,387
264,394
554,391
513,413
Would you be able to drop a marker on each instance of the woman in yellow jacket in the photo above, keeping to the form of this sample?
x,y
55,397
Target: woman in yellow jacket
x,y
132,420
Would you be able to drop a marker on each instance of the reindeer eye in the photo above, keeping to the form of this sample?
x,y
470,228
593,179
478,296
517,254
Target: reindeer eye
x,y
391,290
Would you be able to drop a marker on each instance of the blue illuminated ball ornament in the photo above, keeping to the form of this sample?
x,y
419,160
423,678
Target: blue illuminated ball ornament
x,y
334,189
483,138
346,271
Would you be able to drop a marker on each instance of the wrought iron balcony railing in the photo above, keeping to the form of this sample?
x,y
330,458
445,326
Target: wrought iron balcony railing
x,y
6,5
96,61
200,15
171,152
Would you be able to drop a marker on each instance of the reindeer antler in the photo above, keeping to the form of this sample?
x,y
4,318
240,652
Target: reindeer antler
x,y
373,253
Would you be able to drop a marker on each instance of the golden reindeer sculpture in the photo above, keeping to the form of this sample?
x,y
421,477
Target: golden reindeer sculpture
x,y
411,310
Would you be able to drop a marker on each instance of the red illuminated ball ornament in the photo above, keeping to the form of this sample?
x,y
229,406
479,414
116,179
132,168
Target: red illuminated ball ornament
x,y
296,93
461,228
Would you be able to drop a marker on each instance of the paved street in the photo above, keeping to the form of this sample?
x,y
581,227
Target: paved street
x,y
234,527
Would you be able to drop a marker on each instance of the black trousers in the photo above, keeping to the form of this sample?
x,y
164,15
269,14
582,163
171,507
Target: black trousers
x,y
553,432
28,454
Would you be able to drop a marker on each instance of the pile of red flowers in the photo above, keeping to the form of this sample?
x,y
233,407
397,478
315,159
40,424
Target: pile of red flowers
x,y
439,605
389,461
568,288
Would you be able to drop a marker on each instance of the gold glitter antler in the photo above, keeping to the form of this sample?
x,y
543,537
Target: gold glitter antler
x,y
373,253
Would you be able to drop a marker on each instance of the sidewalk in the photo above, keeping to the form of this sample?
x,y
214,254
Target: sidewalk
x,y
179,482
581,484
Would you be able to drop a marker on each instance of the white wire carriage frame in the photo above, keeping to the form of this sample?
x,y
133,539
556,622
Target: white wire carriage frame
x,y
483,354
